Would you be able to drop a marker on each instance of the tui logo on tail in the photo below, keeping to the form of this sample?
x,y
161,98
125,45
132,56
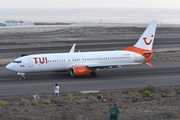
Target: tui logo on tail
x,y
147,42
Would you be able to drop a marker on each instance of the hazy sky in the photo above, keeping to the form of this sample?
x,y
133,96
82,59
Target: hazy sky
x,y
90,3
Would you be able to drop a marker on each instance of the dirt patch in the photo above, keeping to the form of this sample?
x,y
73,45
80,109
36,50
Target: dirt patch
x,y
166,56
5,61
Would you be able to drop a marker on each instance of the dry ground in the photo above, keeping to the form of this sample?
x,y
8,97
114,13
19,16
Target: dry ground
x,y
134,105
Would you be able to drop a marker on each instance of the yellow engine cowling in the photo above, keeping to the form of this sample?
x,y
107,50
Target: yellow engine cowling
x,y
78,71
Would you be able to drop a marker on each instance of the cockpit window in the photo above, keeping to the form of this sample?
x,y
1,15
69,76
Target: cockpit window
x,y
17,61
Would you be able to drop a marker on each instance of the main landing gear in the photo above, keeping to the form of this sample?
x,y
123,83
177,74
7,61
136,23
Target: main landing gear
x,y
23,77
93,74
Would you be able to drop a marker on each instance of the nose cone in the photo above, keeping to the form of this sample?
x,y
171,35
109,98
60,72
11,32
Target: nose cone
x,y
10,67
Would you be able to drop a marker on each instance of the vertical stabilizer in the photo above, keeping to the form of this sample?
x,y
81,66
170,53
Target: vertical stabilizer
x,y
147,38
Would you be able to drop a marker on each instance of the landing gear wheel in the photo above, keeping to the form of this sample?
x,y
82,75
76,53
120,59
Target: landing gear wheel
x,y
23,77
93,74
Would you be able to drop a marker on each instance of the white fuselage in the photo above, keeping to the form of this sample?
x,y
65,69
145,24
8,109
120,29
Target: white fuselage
x,y
64,61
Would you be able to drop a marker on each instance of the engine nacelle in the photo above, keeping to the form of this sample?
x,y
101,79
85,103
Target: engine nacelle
x,y
78,71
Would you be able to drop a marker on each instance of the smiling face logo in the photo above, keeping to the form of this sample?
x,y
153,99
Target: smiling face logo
x,y
147,42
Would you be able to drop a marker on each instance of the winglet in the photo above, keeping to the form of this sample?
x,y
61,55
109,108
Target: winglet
x,y
73,48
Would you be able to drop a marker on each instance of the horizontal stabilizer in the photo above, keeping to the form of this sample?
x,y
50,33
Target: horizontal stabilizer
x,y
149,64
149,58
147,53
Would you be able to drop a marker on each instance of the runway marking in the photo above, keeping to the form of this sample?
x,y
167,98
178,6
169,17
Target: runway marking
x,y
40,84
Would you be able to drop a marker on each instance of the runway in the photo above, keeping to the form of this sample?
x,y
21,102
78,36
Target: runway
x,y
81,45
163,74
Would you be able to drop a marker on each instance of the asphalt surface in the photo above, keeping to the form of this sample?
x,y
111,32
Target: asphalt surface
x,y
163,74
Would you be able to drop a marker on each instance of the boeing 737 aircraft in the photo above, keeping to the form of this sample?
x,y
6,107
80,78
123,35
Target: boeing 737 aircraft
x,y
85,63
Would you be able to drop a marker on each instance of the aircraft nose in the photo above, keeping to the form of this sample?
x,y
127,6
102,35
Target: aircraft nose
x,y
9,67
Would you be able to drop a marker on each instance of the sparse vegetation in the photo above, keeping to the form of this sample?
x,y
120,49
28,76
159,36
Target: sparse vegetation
x,y
46,102
3,65
147,93
16,109
70,96
134,103
2,103
24,102
150,88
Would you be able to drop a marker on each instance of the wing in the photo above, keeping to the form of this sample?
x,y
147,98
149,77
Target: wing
x,y
76,70
111,65
103,66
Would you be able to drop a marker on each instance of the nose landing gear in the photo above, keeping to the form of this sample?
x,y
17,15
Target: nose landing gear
x,y
22,74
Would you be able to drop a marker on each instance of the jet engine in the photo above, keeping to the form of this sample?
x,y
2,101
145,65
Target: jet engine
x,y
78,71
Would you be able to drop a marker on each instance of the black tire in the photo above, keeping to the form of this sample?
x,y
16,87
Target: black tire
x,y
23,77
93,74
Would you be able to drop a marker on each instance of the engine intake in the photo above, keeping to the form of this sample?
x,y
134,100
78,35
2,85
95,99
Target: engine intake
x,y
78,71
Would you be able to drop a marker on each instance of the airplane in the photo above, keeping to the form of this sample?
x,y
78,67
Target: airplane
x,y
86,63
